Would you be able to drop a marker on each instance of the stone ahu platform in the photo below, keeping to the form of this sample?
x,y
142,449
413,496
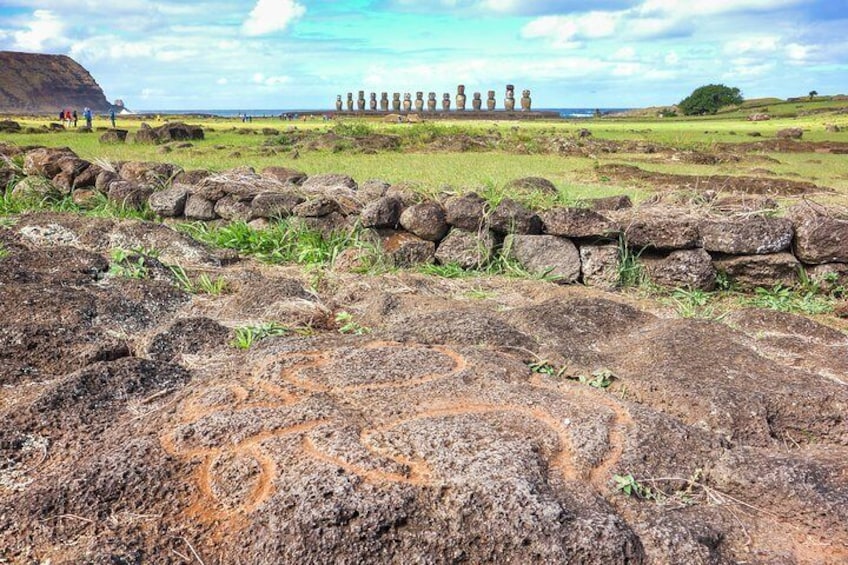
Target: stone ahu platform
x,y
456,115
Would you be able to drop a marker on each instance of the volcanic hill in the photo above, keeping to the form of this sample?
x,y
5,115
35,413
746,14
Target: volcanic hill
x,y
35,83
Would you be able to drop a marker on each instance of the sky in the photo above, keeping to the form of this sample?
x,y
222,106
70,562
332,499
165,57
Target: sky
x,y
288,54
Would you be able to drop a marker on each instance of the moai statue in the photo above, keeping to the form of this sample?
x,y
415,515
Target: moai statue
x,y
431,102
360,101
525,101
476,102
490,101
419,101
350,101
509,101
384,101
372,102
407,102
396,101
446,102
460,97
339,103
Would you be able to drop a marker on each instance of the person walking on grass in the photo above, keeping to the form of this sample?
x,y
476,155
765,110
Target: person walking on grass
x,y
87,114
76,117
112,116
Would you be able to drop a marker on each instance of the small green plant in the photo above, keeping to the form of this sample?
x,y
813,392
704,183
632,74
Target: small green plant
x,y
347,325
127,264
545,367
693,303
246,336
631,273
204,284
628,485
786,299
600,378
3,251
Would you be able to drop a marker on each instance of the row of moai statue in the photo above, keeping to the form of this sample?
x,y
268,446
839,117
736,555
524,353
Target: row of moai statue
x,y
419,104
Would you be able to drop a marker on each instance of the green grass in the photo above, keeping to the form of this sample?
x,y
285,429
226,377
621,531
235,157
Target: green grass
x,y
247,336
794,300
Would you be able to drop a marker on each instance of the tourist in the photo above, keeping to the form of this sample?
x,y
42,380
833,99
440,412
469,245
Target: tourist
x,y
112,116
68,117
76,117
87,114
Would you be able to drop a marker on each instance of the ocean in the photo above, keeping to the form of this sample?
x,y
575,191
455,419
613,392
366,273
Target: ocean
x,y
570,113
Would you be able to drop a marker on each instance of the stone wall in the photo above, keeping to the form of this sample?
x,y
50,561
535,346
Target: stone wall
x,y
691,247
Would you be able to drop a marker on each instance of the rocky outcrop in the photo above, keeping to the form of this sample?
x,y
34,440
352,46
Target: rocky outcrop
x,y
44,84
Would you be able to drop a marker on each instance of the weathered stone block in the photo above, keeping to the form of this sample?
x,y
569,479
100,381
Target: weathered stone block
x,y
232,208
169,202
600,265
466,212
821,235
683,268
511,217
751,271
274,204
545,254
578,223
426,220
660,232
470,250
381,213
199,208
753,235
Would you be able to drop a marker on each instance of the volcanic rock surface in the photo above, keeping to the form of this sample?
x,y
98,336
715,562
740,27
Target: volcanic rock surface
x,y
457,429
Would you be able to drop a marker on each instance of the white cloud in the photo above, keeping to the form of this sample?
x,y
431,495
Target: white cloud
x,y
624,54
754,44
45,30
222,81
798,53
672,58
269,16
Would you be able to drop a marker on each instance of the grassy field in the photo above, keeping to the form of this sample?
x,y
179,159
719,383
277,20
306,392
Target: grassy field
x,y
524,149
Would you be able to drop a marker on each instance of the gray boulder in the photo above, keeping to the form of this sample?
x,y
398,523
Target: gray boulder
x,y
684,268
129,194
275,204
169,202
578,223
752,235
545,254
426,220
661,231
381,213
600,265
511,217
199,208
821,234
752,271
466,212
316,208
469,250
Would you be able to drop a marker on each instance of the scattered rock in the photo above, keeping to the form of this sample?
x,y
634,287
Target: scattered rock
x,y
114,136
233,209
531,184
620,202
275,204
35,188
285,175
820,234
790,133
404,249
170,202
316,208
324,182
129,194
511,217
199,208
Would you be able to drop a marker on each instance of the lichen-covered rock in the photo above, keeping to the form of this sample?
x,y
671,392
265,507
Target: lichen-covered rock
x,y
36,188
275,204
790,133
600,265
531,185
129,194
404,249
381,213
316,208
466,212
469,250
114,136
46,161
328,181
232,208
285,174
199,208
821,234
170,202
545,255
511,217
621,202
684,268
426,220
147,172
372,189
751,235
578,223
662,231
752,271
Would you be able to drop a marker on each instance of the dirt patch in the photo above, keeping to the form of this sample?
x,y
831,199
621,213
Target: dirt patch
x,y
714,183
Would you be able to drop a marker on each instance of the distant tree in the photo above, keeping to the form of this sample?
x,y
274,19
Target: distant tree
x,y
708,99
813,94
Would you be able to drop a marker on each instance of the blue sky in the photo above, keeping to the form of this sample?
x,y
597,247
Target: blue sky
x,y
257,54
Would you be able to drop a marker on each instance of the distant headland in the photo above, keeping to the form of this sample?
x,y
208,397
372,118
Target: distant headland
x,y
32,83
